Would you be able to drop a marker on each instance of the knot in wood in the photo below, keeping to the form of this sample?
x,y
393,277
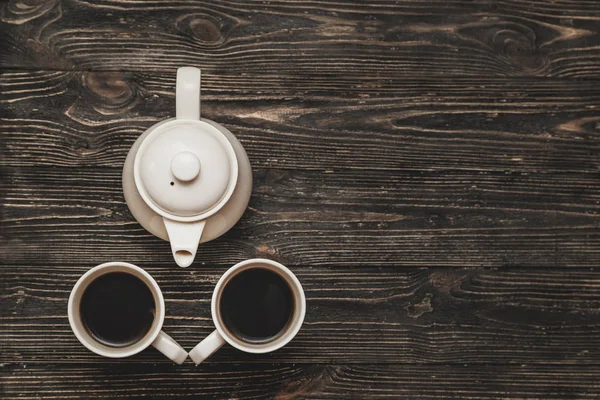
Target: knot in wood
x,y
108,92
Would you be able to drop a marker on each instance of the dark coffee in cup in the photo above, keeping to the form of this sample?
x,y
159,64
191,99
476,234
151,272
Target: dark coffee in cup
x,y
117,309
256,305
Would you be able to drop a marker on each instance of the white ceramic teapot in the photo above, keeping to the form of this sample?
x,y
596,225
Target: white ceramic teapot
x,y
187,179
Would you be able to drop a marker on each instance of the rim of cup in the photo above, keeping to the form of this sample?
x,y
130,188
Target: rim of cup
x,y
82,333
298,313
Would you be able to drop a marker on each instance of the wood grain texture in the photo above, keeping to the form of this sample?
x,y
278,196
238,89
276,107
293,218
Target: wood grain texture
x,y
429,169
523,126
307,218
354,315
275,381
488,173
325,38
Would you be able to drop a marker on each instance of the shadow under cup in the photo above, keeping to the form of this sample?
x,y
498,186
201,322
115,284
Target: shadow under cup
x,y
115,310
259,306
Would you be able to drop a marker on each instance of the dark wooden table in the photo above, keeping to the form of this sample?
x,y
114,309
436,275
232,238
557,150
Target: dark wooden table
x,y
429,169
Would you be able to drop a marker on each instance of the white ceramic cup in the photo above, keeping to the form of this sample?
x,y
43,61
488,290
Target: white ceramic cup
x,y
222,335
155,337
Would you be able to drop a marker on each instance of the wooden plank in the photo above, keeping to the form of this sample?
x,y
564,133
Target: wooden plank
x,y
492,173
309,218
354,315
401,151
510,127
325,38
285,381
515,187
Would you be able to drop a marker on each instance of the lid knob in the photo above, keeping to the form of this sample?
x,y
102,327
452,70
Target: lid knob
x,y
185,166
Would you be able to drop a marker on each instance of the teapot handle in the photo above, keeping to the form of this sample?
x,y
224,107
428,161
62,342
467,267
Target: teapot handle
x,y
187,93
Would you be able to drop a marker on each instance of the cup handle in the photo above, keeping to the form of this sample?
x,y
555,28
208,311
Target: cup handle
x,y
187,93
170,348
205,348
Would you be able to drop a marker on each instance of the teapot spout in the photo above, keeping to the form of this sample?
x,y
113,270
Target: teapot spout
x,y
184,238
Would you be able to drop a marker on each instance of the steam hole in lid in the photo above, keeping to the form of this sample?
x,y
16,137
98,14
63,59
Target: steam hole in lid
x,y
172,183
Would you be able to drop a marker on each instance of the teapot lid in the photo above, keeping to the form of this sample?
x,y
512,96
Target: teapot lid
x,y
186,170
